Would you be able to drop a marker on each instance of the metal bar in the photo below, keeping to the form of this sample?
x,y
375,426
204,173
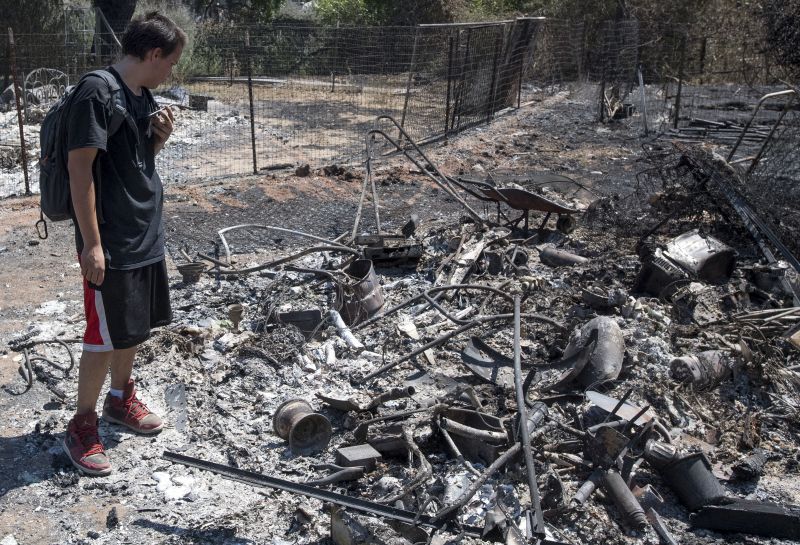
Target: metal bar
x,y
375,203
520,72
408,82
24,153
447,336
753,116
437,289
449,87
522,412
475,24
443,182
498,46
680,83
768,139
363,196
365,506
462,84
464,498
644,100
221,235
250,98
108,26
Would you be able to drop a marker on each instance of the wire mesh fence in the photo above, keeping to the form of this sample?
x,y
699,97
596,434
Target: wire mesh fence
x,y
266,97
261,97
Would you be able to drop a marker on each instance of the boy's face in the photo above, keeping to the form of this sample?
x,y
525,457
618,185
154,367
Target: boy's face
x,y
161,65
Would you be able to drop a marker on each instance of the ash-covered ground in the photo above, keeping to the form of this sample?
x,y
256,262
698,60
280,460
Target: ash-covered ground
x,y
219,386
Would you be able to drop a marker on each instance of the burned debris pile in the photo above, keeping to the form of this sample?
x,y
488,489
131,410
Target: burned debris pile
x,y
628,373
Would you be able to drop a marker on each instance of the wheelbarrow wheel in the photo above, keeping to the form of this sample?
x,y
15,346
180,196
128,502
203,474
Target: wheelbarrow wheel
x,y
566,224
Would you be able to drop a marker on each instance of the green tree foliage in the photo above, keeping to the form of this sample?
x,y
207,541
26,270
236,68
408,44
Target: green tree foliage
x,y
387,12
239,11
31,16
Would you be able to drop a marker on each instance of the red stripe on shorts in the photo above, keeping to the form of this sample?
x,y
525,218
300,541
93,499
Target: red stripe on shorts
x,y
92,335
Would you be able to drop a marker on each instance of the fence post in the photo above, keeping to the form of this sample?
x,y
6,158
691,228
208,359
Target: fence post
x,y
24,153
498,45
250,96
410,78
680,83
449,85
703,46
458,95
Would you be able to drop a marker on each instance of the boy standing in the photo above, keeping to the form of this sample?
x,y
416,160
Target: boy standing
x,y
119,233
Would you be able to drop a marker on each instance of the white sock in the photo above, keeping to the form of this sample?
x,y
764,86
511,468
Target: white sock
x,y
116,393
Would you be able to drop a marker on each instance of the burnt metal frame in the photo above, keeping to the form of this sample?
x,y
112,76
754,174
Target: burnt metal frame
x,y
464,324
358,504
444,182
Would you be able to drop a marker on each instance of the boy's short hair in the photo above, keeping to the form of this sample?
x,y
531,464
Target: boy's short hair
x,y
150,31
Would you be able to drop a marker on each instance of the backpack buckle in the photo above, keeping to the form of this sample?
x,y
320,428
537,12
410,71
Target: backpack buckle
x,y
41,226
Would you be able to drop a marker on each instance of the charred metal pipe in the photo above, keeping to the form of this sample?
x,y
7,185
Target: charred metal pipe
x,y
447,336
559,258
475,433
588,487
660,528
632,513
463,499
391,395
457,452
280,261
522,409
358,504
424,473
221,234
427,294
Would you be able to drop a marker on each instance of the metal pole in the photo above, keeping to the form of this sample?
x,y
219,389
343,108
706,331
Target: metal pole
x,y
753,116
703,46
458,97
24,153
522,413
498,44
519,76
767,140
680,83
644,99
449,84
250,97
410,77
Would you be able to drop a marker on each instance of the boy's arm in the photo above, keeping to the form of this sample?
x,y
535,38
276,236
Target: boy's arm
x,y
81,184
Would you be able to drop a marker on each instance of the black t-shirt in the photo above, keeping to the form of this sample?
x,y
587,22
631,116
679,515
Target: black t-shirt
x,y
129,191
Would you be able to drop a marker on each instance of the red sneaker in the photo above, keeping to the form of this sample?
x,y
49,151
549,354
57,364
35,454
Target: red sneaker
x,y
130,412
82,445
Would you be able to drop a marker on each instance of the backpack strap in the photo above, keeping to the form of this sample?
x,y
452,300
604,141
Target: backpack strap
x,y
119,111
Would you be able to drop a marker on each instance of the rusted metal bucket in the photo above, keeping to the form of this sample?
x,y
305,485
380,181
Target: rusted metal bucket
x,y
190,272
362,298
306,430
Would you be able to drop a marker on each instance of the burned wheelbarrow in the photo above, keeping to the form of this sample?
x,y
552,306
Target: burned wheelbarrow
x,y
524,200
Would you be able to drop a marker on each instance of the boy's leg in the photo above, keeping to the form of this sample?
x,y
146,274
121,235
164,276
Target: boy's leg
x,y
122,367
92,372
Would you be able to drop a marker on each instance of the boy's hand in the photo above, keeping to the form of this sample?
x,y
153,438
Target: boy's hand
x,y
162,124
93,264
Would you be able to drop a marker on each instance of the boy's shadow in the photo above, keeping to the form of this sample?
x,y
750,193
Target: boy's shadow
x,y
38,456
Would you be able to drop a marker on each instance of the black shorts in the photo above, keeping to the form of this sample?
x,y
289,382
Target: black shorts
x,y
121,312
